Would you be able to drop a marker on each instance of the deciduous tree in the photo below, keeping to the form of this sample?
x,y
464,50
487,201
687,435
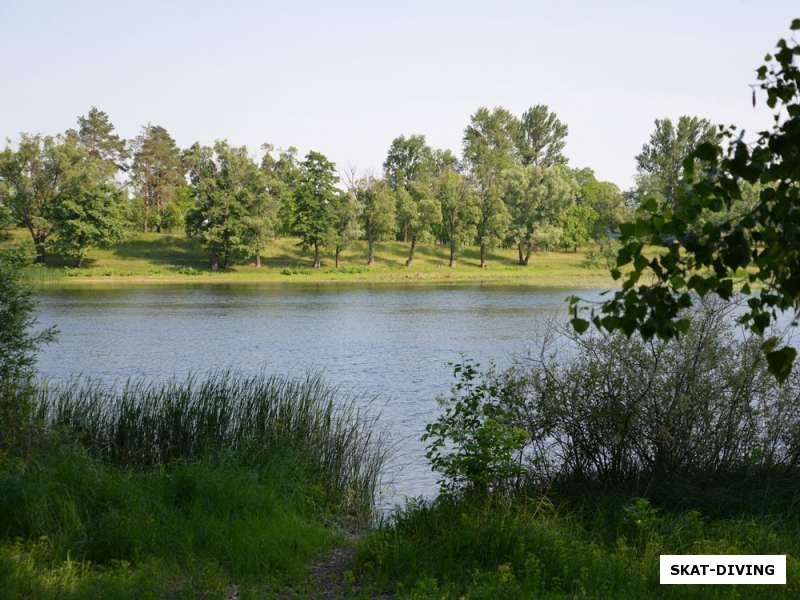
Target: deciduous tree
x,y
488,151
377,212
224,182
541,137
660,163
460,210
419,209
535,197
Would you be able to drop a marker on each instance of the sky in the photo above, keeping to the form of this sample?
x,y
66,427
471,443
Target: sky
x,y
345,78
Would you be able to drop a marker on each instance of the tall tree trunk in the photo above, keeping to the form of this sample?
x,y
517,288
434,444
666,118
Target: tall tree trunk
x,y
40,250
519,253
452,252
370,251
336,258
317,258
483,255
214,262
526,257
411,250
258,258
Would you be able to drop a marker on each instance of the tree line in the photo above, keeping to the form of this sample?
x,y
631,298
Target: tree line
x,y
512,186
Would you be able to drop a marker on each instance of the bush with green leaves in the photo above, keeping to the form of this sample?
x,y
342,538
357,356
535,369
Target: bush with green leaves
x,y
18,348
685,416
475,445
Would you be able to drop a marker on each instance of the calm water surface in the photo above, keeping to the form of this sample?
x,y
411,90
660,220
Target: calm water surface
x,y
386,342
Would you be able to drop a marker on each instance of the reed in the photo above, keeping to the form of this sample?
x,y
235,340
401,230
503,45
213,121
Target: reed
x,y
253,419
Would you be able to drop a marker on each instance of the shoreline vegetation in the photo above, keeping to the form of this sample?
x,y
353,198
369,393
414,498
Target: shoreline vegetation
x,y
218,486
228,485
171,258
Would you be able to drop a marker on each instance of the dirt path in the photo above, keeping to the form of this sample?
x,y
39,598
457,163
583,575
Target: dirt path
x,y
327,576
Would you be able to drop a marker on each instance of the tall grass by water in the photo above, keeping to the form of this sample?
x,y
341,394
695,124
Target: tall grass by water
x,y
250,418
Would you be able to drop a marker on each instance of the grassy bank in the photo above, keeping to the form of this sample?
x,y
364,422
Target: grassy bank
x,y
173,258
530,548
188,489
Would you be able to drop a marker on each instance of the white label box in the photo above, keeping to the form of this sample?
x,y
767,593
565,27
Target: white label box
x,y
723,568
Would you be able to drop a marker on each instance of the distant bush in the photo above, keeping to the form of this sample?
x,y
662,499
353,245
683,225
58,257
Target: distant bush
x,y
295,271
603,255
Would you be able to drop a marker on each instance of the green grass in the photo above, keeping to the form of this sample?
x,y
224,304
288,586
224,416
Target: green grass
x,y
250,418
74,526
530,549
170,258
188,488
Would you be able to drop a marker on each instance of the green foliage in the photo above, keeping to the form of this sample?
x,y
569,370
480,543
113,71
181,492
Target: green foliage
x,y
225,184
378,215
577,225
76,527
605,199
536,197
758,247
174,218
6,218
249,418
603,255
696,421
18,349
347,211
283,174
459,208
475,443
157,175
32,184
660,163
96,135
530,549
407,160
488,151
541,137
89,212
419,211
315,204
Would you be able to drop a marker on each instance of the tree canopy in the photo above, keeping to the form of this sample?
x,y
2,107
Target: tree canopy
x,y
757,248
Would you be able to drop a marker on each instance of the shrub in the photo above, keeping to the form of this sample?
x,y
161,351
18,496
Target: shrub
x,y
475,444
18,347
666,416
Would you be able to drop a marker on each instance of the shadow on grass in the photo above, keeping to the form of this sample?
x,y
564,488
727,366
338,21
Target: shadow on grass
x,y
167,250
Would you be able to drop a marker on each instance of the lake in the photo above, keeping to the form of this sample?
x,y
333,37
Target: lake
x,y
389,345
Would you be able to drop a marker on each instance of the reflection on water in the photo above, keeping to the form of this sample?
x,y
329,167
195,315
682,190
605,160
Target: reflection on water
x,y
380,342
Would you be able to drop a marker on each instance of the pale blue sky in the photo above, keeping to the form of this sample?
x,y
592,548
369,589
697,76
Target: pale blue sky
x,y
345,78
